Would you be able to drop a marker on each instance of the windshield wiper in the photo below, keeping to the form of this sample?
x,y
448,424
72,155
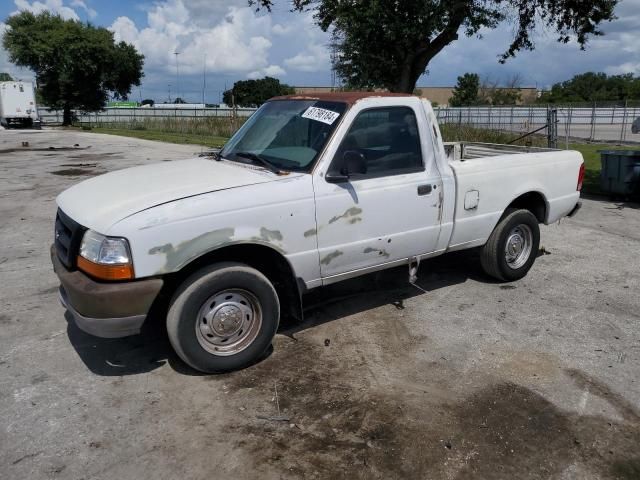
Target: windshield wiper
x,y
263,161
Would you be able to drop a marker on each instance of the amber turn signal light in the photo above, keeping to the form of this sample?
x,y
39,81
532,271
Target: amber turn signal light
x,y
106,272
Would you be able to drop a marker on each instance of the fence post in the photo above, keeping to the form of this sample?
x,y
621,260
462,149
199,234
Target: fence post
x,y
593,122
552,127
623,131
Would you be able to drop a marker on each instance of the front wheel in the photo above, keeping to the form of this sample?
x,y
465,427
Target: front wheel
x,y
223,317
512,247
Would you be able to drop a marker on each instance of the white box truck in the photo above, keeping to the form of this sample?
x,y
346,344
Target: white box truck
x,y
18,105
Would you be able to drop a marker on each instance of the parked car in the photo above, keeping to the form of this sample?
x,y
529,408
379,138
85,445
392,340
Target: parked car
x,y
635,126
310,191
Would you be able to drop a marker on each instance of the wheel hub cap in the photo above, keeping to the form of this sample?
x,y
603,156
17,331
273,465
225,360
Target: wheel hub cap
x,y
518,247
228,322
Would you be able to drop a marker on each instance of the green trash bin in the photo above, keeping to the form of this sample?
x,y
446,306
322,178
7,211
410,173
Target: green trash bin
x,y
620,172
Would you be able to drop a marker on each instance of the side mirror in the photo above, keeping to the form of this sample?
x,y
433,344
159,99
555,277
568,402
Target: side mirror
x,y
353,163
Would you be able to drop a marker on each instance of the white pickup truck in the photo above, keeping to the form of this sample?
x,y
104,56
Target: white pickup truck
x,y
310,191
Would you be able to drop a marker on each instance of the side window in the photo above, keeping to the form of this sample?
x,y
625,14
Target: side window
x,y
387,138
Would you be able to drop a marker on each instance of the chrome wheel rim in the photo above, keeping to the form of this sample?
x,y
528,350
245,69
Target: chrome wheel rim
x,y
228,322
518,247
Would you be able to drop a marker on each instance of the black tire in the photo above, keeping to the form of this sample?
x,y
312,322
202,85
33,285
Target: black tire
x,y
493,256
195,293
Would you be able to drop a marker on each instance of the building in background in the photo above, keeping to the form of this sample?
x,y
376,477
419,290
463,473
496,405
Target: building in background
x,y
438,95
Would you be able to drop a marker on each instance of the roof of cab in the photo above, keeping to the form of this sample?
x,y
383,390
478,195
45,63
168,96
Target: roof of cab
x,y
345,97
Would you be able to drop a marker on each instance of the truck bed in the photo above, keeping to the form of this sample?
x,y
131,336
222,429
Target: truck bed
x,y
461,151
489,176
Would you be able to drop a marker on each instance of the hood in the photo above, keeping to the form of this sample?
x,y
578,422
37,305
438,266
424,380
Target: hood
x,y
101,201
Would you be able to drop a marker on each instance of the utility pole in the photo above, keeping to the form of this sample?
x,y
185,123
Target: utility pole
x,y
169,93
176,53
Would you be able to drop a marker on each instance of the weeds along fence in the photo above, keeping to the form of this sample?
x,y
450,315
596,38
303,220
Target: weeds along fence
x,y
606,122
220,122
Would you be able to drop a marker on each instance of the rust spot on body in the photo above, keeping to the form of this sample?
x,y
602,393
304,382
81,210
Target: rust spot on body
x,y
382,252
350,214
310,233
190,249
327,259
270,235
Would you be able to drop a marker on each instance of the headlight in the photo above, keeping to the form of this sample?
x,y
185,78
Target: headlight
x,y
106,258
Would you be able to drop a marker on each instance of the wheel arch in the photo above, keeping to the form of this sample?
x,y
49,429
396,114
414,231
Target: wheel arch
x,y
266,259
533,201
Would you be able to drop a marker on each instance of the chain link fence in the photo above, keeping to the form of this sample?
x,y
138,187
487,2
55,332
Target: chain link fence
x,y
595,123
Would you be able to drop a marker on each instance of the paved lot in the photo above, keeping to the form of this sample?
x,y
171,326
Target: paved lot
x,y
472,379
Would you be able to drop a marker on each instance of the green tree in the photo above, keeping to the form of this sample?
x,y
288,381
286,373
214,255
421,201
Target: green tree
x,y
594,87
77,66
466,91
389,44
5,77
253,93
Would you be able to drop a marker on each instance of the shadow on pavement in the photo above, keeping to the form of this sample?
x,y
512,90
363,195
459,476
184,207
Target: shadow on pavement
x,y
151,348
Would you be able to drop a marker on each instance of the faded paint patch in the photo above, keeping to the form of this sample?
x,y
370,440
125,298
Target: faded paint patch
x,y
310,233
270,235
349,214
382,252
189,249
327,259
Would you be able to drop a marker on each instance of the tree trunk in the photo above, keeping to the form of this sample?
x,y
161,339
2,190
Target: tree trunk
x,y
67,117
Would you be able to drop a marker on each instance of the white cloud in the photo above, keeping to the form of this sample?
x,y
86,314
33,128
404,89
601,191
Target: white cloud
x,y
279,29
235,41
315,56
54,6
270,71
91,13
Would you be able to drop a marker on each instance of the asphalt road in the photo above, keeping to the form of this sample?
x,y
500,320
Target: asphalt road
x,y
466,379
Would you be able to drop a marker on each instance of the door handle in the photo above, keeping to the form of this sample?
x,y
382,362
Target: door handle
x,y
424,189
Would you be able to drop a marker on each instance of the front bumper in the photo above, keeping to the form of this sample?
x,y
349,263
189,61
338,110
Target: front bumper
x,y
108,310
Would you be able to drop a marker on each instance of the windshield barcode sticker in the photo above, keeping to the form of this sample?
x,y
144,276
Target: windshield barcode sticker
x,y
321,115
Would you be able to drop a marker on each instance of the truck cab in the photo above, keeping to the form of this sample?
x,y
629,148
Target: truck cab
x,y
310,191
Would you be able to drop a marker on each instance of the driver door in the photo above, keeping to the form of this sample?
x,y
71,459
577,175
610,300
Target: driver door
x,y
389,213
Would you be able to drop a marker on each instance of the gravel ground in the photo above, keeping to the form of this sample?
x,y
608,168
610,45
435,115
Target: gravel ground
x,y
466,379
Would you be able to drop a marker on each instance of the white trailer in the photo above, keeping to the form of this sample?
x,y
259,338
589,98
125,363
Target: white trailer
x,y
18,105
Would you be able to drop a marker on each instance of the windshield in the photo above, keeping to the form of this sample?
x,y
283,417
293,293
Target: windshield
x,y
288,134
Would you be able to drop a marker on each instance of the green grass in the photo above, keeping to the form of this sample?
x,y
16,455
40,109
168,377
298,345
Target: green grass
x,y
185,138
468,133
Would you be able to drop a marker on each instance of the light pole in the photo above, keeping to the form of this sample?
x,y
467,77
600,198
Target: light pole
x,y
169,93
176,53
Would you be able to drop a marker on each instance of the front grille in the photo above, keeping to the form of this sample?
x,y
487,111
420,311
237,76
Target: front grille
x,y
68,235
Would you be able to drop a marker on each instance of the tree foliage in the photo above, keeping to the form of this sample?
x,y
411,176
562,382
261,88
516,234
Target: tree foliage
x,y
389,44
594,87
77,66
253,93
470,91
466,92
5,77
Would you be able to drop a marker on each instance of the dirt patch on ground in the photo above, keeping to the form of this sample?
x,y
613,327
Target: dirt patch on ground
x,y
75,172
341,427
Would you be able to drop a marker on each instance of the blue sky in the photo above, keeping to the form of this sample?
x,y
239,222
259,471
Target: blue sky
x,y
235,43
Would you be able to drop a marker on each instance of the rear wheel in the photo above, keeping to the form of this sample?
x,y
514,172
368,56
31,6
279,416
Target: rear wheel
x,y
223,317
512,247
